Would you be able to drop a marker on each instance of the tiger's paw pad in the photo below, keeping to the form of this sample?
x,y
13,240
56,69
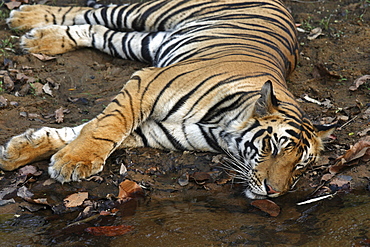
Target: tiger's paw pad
x,y
49,40
66,168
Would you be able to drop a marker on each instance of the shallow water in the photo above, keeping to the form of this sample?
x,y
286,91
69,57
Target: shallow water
x,y
208,220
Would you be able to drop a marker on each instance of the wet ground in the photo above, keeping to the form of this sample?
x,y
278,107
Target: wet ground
x,y
187,199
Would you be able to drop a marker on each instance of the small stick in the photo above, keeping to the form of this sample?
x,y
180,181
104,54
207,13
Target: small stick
x,y
317,199
348,122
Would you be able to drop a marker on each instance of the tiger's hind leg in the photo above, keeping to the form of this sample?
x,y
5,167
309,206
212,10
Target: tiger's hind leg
x,y
139,46
33,16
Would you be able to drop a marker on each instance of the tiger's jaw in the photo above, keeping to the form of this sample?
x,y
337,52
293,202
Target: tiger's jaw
x,y
253,195
262,192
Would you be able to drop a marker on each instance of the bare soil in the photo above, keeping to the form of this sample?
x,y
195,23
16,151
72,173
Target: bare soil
x,y
83,82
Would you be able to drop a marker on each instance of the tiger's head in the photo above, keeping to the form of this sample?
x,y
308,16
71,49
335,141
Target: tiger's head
x,y
271,150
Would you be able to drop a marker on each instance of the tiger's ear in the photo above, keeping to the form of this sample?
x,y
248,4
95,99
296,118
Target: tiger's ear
x,y
267,103
324,131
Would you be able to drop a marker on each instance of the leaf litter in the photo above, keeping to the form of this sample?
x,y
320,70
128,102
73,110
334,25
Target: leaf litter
x,y
358,82
332,181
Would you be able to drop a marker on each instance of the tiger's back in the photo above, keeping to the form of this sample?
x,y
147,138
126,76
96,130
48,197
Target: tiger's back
x,y
218,84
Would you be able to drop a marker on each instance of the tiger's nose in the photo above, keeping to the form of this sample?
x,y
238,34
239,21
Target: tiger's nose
x,y
270,190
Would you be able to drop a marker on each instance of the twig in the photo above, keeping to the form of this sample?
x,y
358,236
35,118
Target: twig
x,y
348,122
317,199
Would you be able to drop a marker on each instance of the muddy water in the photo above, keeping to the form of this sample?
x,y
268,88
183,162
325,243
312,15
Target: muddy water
x,y
197,215
206,224
208,220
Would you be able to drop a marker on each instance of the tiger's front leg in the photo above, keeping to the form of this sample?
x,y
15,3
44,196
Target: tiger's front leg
x,y
35,145
86,155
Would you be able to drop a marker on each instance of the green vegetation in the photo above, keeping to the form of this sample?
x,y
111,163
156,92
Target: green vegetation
x,y
7,45
4,13
324,23
2,87
342,78
307,24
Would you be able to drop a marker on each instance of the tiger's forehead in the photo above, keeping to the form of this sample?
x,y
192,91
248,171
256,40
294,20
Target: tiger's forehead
x,y
300,131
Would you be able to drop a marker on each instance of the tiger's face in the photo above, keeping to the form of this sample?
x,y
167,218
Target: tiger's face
x,y
271,150
271,154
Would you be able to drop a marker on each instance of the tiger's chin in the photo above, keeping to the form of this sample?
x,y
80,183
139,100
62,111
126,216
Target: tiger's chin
x,y
253,195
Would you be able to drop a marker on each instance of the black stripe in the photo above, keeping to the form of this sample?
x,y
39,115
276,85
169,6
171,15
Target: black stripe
x,y
138,24
118,21
103,14
139,132
65,14
145,42
86,16
253,126
107,140
175,143
70,36
293,133
168,84
117,102
211,140
184,98
112,47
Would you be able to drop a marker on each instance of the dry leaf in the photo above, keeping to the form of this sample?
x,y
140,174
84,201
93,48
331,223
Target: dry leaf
x,y
59,115
201,177
12,5
8,83
359,151
327,177
43,201
52,83
43,57
321,71
24,193
267,206
3,101
128,189
48,182
341,181
29,170
366,114
109,231
76,199
38,87
47,89
4,202
316,32
358,82
23,90
364,132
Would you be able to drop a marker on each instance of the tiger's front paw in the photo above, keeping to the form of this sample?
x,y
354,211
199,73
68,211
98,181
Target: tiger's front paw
x,y
30,146
73,165
49,40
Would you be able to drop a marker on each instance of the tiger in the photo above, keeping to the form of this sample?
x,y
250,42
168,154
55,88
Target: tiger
x,y
216,82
